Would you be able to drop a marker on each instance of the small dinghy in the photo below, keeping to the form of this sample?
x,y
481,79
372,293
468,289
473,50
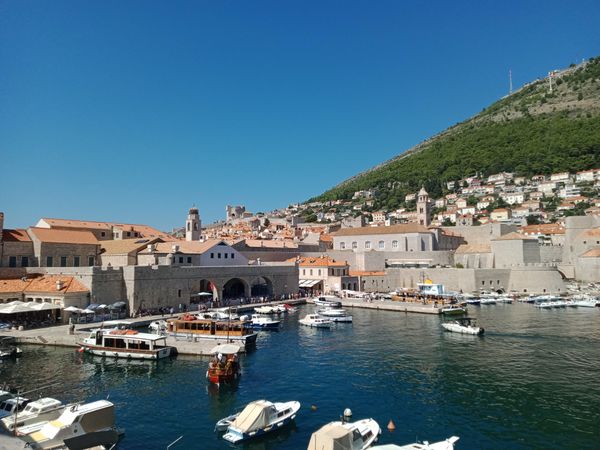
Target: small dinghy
x,y
260,417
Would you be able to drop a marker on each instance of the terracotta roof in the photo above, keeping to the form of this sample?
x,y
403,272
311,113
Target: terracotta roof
x,y
321,261
474,248
144,230
44,283
269,243
124,246
544,228
593,232
186,247
64,236
365,273
13,285
47,283
326,238
591,253
18,235
393,229
514,236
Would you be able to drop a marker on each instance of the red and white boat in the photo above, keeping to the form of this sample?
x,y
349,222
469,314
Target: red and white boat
x,y
224,367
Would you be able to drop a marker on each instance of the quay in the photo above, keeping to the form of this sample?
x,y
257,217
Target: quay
x,y
391,305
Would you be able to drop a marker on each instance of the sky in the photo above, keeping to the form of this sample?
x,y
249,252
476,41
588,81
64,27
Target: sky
x,y
133,111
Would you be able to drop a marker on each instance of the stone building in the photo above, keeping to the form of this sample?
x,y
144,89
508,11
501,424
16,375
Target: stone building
x,y
213,252
423,208
324,274
515,249
193,226
64,248
60,290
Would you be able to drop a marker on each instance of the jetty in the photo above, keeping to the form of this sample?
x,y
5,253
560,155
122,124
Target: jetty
x,y
389,305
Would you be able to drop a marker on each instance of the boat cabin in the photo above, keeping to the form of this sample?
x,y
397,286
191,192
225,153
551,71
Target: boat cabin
x,y
11,405
193,325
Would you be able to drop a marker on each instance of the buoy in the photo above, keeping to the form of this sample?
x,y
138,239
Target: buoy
x,y
313,407
391,425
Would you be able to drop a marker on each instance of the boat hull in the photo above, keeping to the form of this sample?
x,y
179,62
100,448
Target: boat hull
x,y
128,354
234,436
455,328
247,339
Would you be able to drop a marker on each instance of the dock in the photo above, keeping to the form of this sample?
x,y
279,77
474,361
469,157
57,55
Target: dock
x,y
389,305
59,336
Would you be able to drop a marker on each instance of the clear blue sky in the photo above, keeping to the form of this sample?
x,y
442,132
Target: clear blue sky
x,y
132,111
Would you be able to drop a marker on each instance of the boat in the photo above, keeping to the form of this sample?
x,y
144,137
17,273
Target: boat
x,y
335,314
280,309
37,411
235,331
316,321
126,344
158,327
487,300
447,444
79,426
357,435
12,405
588,302
260,417
465,325
453,309
327,300
5,394
264,323
224,423
265,310
224,367
8,349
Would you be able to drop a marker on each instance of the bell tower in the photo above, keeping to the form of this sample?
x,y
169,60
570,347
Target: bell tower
x,y
193,225
423,208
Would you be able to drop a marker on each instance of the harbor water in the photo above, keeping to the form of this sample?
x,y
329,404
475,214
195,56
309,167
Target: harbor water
x,y
531,382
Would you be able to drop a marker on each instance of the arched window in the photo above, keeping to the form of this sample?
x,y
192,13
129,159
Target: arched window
x,y
394,244
381,245
354,245
342,246
367,244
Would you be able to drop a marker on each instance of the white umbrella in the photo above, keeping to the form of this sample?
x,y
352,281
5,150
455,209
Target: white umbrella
x,y
43,306
204,294
73,309
102,306
15,309
226,349
88,311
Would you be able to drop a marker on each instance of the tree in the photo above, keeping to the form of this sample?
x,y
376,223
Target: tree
x,y
447,222
533,220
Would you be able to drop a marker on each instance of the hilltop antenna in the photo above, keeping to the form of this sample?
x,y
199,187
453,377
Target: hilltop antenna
x,y
509,81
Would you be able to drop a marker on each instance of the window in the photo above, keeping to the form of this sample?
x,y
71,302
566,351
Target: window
x,y
367,244
24,261
90,261
128,234
179,293
49,262
189,259
483,282
226,254
232,255
103,233
218,256
319,272
394,244
342,246
303,271
63,261
75,261
311,271
212,256
354,245
181,260
381,245
12,261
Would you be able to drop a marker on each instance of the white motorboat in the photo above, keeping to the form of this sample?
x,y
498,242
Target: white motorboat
x,y
38,411
260,417
447,444
454,309
262,322
126,344
158,327
487,301
335,314
4,395
328,300
79,426
357,435
316,321
12,405
465,325
589,302
265,310
280,309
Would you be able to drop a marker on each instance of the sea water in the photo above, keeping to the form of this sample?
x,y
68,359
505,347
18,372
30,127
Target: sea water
x,y
532,381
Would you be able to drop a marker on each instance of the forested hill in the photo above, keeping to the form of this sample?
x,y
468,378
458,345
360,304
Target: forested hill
x,y
535,130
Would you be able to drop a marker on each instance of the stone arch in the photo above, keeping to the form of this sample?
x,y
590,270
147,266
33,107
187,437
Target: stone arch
x,y
235,288
199,289
261,287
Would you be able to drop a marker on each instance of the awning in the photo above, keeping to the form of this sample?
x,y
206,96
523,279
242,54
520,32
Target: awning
x,y
308,283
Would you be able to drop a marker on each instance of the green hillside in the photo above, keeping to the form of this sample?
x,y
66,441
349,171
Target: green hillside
x,y
533,131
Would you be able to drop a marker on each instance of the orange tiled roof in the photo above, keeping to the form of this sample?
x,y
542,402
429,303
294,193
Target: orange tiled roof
x,y
18,235
326,238
13,285
186,247
47,283
119,247
44,283
544,228
321,261
366,273
514,236
591,253
144,230
64,236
